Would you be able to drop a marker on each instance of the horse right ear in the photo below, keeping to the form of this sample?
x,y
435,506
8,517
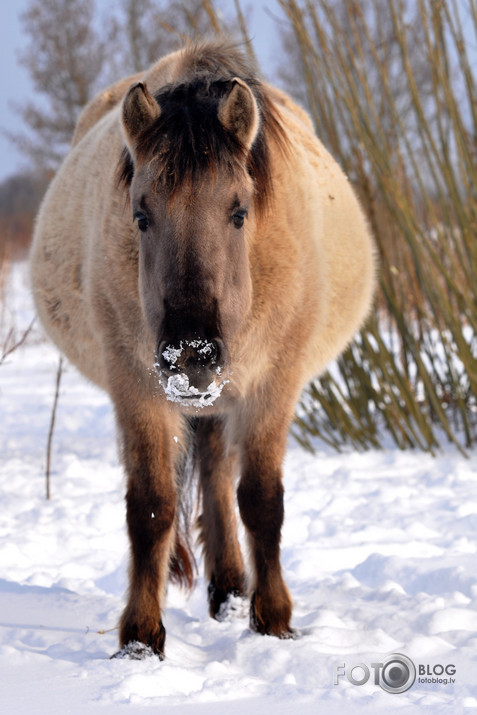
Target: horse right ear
x,y
139,110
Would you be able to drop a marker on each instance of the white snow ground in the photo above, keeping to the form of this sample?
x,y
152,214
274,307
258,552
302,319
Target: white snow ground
x,y
378,552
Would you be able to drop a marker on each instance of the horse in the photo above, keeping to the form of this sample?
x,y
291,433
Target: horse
x,y
200,256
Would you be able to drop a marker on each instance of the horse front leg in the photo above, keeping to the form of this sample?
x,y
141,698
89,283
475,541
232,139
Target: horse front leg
x,y
260,498
223,560
151,518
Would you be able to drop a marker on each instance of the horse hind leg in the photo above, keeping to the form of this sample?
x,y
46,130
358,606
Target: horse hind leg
x,y
224,566
182,565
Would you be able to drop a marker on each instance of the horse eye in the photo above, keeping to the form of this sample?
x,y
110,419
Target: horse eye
x,y
142,221
239,217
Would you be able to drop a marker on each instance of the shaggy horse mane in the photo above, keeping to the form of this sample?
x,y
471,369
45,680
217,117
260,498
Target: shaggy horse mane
x,y
187,139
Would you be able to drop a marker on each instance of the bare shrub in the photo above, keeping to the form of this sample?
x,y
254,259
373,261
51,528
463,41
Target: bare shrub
x,y
392,90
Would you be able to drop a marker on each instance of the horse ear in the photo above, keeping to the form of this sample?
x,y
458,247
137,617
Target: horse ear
x,y
139,110
238,112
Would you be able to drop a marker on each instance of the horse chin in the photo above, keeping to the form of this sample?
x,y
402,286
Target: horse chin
x,y
178,389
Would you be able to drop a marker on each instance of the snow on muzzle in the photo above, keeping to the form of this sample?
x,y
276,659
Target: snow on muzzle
x,y
190,371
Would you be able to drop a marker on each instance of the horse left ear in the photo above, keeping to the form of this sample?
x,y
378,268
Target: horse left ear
x,y
139,110
238,112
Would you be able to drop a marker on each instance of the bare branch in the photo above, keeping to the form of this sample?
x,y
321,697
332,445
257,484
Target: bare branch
x,y
59,373
11,344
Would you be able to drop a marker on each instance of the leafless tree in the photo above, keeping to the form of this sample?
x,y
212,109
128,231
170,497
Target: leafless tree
x,y
65,58
144,30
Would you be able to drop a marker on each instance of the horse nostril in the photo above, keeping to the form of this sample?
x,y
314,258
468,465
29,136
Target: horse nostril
x,y
209,353
168,356
193,354
205,353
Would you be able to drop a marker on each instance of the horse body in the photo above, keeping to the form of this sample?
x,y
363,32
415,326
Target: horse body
x,y
248,267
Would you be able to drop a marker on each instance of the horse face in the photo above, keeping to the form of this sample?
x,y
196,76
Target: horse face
x,y
194,277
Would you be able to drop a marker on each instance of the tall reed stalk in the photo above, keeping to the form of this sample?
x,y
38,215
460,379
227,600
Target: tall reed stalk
x,y
399,111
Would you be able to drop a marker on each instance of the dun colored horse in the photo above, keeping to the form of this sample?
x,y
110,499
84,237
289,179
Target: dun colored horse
x,y
200,256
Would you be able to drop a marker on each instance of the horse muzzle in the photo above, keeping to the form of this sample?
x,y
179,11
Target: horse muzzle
x,y
191,370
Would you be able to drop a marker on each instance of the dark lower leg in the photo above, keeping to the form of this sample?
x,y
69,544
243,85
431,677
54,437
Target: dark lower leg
x,y
151,513
260,497
150,519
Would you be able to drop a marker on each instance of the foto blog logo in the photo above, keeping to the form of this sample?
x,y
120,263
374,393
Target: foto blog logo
x,y
395,674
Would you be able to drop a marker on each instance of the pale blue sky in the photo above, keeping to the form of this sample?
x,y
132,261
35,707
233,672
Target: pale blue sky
x,y
16,86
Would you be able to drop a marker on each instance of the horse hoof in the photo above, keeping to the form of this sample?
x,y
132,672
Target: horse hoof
x,y
275,624
224,603
136,651
286,634
234,606
141,638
